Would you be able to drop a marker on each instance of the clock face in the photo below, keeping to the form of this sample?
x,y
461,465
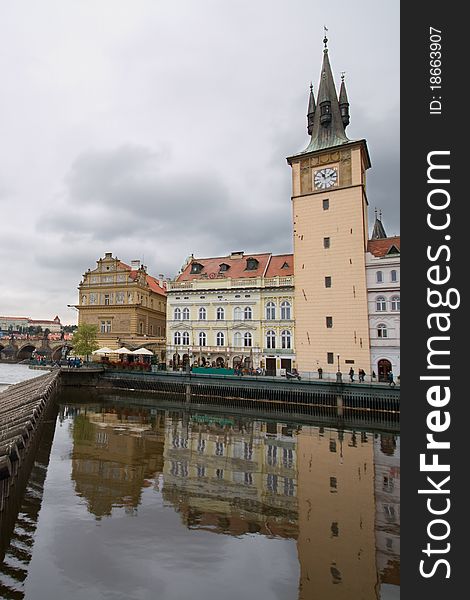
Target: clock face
x,y
325,178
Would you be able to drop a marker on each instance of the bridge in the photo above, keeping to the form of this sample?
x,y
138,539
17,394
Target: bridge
x,y
15,350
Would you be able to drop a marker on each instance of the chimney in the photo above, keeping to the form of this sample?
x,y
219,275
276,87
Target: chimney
x,y
135,265
236,255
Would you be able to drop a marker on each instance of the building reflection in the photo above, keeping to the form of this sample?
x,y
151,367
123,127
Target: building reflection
x,y
387,505
336,544
116,454
335,492
232,477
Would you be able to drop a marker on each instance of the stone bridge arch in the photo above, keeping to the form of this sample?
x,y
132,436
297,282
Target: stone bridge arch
x,y
25,351
57,351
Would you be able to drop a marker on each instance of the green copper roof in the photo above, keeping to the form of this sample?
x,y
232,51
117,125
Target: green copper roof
x,y
333,133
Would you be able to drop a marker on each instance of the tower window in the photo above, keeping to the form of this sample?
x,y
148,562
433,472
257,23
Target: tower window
x,y
328,281
326,204
326,242
330,359
329,322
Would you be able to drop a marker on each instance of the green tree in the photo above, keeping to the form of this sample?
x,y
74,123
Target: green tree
x,y
84,340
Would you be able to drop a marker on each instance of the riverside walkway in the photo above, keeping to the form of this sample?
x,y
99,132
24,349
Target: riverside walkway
x,y
22,410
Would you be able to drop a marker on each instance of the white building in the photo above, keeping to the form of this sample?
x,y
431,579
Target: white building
x,y
383,290
233,310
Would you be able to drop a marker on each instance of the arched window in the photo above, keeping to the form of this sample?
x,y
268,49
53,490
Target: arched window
x,y
270,339
395,301
285,310
202,339
202,314
186,314
247,339
393,276
270,311
177,314
286,339
379,277
238,313
237,339
382,331
177,338
185,338
220,314
220,338
248,313
380,304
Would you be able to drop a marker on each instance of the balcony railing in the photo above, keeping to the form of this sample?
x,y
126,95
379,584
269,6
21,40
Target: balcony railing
x,y
230,283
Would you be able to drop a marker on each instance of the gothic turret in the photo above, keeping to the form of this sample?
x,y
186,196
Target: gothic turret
x,y
311,111
378,232
344,103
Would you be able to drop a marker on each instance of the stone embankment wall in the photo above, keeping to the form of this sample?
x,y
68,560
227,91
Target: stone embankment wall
x,y
22,410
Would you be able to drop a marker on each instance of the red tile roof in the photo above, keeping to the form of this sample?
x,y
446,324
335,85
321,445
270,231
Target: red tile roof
x,y
269,266
381,247
151,281
277,263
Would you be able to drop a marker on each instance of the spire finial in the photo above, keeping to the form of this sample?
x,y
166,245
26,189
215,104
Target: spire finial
x,y
380,214
375,210
342,75
311,86
325,39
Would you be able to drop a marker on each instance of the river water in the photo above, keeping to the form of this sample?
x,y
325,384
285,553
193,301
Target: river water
x,y
133,501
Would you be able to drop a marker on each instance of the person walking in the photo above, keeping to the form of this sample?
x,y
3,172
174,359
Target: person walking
x,y
391,382
351,374
320,373
361,374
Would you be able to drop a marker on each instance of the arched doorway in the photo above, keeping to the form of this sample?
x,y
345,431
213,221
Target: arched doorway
x,y
220,363
236,361
176,361
384,366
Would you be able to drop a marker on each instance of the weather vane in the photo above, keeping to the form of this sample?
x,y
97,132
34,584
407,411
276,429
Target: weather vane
x,y
325,39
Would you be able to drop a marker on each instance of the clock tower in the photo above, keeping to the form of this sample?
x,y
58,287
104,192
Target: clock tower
x,y
329,205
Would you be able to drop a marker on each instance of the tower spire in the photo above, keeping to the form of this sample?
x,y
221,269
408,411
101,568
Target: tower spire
x,y
311,110
325,123
344,102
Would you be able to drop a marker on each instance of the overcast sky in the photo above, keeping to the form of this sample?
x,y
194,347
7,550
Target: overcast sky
x,y
155,129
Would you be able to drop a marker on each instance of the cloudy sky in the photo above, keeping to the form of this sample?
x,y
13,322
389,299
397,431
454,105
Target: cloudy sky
x,y
155,129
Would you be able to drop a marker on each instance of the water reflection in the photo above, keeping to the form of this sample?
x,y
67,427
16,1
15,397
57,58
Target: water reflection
x,y
332,494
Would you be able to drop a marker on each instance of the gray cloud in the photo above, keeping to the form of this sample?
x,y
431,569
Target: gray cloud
x,y
157,133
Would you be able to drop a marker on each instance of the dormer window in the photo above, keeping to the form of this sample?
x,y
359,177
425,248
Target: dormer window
x,y
251,264
223,267
196,268
393,250
285,266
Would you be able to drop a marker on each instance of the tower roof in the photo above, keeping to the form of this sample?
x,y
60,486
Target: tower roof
x,y
343,96
378,232
332,133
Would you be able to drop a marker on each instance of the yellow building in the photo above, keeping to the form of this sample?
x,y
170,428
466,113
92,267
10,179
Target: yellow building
x,y
126,304
330,237
236,309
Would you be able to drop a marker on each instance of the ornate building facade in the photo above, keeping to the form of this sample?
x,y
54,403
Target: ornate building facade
x,y
126,304
236,309
383,287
